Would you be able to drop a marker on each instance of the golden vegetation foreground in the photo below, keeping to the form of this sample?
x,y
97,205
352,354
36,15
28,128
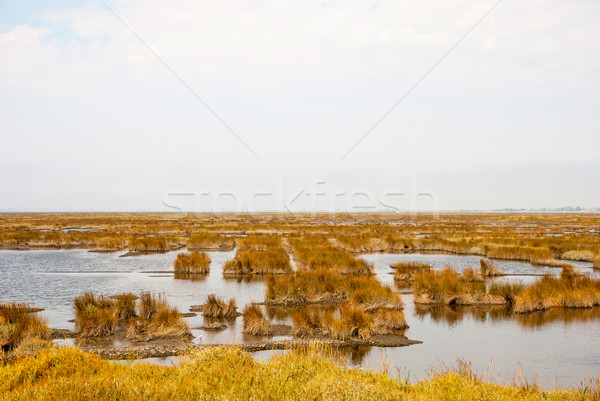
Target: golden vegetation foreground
x,y
227,373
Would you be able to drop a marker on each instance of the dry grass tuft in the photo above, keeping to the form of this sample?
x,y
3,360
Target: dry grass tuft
x,y
192,263
148,244
157,319
317,253
217,307
489,269
405,271
210,241
100,315
18,324
227,373
255,322
259,255
389,320
95,315
449,287
571,290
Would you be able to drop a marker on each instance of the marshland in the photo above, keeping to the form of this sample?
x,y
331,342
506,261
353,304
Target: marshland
x,y
373,290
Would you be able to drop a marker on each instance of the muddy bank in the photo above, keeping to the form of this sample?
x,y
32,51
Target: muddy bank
x,y
164,350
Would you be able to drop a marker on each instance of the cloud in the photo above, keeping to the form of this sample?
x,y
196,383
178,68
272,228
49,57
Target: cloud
x,y
300,82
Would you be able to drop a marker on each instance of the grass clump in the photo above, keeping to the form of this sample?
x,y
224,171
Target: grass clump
x,y
317,253
387,321
110,244
351,321
210,241
255,322
192,263
259,255
228,373
405,271
95,315
157,319
535,255
570,290
100,315
18,324
327,286
305,287
489,269
148,244
217,307
449,287
596,261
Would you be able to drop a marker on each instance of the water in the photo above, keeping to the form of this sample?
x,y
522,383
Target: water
x,y
559,346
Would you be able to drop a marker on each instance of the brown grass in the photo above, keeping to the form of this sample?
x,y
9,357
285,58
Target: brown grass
x,y
259,255
571,290
389,320
95,315
148,244
597,262
317,253
217,307
100,315
18,324
405,271
449,287
192,263
157,319
255,322
210,241
324,286
489,269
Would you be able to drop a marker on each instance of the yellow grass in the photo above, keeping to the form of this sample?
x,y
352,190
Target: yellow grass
x,y
323,286
210,241
489,269
255,322
259,255
192,263
569,291
449,287
317,253
18,324
149,244
100,315
405,271
226,373
217,307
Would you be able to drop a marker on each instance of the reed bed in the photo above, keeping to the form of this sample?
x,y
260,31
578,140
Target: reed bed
x,y
19,324
317,253
570,290
228,373
148,244
111,244
210,241
255,323
535,255
259,255
449,287
101,315
217,307
192,263
489,269
405,271
327,286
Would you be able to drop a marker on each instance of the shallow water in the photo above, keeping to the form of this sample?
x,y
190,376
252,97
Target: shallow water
x,y
558,346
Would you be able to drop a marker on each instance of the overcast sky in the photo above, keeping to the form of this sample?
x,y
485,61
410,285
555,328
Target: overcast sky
x,y
91,119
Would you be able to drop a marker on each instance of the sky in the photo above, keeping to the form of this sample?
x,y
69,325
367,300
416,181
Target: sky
x,y
130,105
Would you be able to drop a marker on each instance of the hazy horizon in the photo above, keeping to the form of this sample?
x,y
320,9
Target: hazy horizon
x,y
145,106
